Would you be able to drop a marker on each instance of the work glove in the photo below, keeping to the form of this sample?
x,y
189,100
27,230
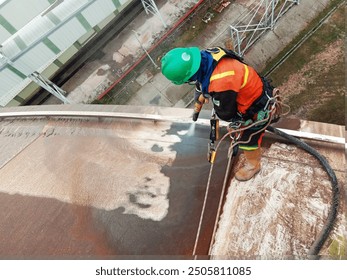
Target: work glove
x,y
199,99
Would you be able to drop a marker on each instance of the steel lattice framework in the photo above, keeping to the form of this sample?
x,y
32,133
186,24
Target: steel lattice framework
x,y
261,18
151,7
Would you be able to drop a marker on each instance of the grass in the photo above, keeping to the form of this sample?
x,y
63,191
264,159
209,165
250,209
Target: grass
x,y
306,51
324,93
332,111
337,249
194,27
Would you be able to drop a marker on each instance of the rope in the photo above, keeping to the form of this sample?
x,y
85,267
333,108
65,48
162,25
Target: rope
x,y
230,155
267,120
203,211
220,201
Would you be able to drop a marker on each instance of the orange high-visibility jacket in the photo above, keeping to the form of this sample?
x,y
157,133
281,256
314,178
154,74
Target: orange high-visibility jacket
x,y
234,86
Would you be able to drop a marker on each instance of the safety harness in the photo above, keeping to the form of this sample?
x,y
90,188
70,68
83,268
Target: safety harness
x,y
258,112
218,53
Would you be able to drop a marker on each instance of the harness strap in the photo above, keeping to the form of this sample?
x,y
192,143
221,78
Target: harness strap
x,y
263,101
218,53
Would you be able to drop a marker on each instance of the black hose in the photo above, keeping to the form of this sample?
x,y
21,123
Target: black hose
x,y
323,235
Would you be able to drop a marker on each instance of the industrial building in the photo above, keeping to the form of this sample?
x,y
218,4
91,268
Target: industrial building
x,y
39,37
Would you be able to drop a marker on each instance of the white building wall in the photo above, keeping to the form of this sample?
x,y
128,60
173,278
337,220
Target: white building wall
x,y
9,80
94,18
4,34
63,39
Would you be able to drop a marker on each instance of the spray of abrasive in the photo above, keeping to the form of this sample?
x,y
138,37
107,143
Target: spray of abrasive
x,y
191,129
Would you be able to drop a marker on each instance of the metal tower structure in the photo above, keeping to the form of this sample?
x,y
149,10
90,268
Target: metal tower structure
x,y
49,86
262,17
39,79
151,7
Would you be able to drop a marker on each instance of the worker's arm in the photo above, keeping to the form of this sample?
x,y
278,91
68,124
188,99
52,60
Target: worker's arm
x,y
199,100
225,104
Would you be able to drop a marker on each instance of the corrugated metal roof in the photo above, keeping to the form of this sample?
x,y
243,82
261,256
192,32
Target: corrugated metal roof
x,y
35,58
94,18
9,80
62,39
17,13
35,31
46,37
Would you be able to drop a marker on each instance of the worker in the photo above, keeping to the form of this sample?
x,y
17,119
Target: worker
x,y
239,94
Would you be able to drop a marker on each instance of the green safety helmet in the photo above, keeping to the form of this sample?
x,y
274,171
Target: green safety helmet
x,y
180,64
